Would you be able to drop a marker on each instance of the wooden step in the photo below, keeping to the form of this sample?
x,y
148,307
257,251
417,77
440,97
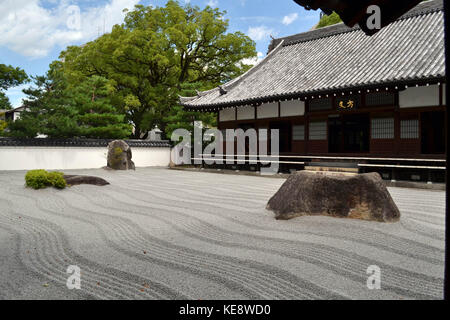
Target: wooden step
x,y
331,169
335,164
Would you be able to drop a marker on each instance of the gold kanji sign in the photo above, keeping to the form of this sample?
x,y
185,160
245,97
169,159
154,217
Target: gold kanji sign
x,y
349,104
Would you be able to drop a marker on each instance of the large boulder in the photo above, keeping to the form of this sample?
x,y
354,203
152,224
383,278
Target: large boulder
x,y
119,156
361,196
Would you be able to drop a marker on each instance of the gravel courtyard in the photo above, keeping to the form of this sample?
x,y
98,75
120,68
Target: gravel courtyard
x,y
165,234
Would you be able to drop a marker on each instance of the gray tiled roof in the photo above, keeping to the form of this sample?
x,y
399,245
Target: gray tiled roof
x,y
339,58
46,142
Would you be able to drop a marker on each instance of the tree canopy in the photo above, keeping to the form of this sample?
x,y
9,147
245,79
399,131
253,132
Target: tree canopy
x,y
59,110
9,77
5,104
329,20
157,54
134,75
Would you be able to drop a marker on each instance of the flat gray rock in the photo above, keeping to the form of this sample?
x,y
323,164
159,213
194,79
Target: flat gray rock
x,y
74,180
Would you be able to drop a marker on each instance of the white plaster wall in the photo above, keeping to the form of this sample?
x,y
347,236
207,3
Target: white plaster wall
x,y
424,96
292,108
61,158
227,115
16,116
268,110
245,113
151,157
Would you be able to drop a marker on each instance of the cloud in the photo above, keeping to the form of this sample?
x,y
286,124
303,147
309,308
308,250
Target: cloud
x,y
258,19
287,20
16,95
31,29
213,3
253,61
259,33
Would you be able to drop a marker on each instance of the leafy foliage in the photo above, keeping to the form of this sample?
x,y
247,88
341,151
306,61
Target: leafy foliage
x,y
96,117
60,109
10,77
4,102
178,118
39,179
329,20
135,74
56,179
155,54
3,126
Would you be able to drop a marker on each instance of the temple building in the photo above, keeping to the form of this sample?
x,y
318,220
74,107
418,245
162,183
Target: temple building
x,y
336,93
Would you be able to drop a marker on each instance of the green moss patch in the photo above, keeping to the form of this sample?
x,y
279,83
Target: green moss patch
x,y
39,179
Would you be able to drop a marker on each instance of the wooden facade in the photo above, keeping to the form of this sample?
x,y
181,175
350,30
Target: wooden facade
x,y
335,95
413,132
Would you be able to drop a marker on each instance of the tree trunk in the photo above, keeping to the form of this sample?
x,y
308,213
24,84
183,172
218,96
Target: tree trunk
x,y
137,133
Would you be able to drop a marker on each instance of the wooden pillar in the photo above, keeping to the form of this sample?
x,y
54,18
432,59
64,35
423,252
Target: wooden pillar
x,y
306,127
447,174
397,132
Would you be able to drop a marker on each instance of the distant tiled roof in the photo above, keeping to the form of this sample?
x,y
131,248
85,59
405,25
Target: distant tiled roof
x,y
333,58
17,142
19,109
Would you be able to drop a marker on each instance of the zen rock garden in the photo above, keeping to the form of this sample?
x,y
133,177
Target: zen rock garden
x,y
41,179
360,196
119,158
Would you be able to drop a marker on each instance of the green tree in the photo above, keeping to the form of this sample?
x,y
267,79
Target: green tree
x,y
38,96
155,53
10,77
96,117
4,102
60,110
329,20
3,123
178,118
46,110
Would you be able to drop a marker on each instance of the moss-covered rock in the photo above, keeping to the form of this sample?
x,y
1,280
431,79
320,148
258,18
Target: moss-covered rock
x,y
119,156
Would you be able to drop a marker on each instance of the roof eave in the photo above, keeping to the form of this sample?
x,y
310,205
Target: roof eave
x,y
392,85
229,85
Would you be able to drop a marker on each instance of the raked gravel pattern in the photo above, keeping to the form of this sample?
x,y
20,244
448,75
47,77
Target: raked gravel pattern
x,y
156,233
